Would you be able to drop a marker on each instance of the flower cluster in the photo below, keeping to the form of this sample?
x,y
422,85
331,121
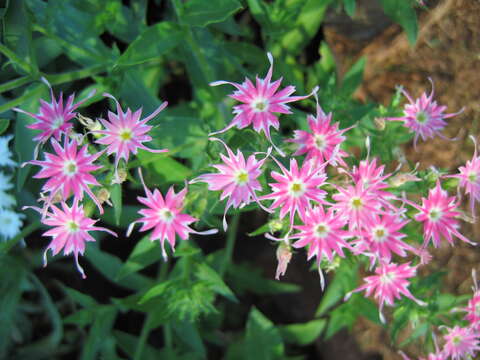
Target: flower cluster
x,y
72,170
10,221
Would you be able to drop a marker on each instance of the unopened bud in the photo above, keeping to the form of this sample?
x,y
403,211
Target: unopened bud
x,y
76,136
284,255
91,125
120,176
379,123
103,196
275,225
402,178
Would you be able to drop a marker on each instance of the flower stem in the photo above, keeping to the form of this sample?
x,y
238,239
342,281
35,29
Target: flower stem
x,y
231,237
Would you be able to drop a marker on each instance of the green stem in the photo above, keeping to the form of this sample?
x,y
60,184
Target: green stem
x,y
56,79
13,84
15,59
6,246
231,237
167,334
17,101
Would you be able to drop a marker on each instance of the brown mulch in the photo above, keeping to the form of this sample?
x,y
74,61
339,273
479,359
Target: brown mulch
x,y
447,51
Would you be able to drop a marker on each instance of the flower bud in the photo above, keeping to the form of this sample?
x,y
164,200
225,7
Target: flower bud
x,y
284,255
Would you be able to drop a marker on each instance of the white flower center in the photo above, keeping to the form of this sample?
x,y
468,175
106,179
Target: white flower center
x,y
472,177
166,215
387,278
57,122
72,226
456,340
70,167
477,309
434,214
241,177
125,135
297,188
422,117
321,230
260,105
379,234
320,141
356,203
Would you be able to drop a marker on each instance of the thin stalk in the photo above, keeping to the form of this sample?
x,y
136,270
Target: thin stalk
x,y
6,246
231,237
17,101
15,58
13,84
142,340
56,79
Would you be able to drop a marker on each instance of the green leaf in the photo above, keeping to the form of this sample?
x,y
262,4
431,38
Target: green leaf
x,y
82,318
128,344
101,328
353,78
202,13
344,281
262,340
349,7
4,124
206,273
116,195
81,299
155,41
168,168
145,253
403,13
303,334
188,333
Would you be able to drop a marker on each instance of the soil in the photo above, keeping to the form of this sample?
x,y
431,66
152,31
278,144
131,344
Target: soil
x,y
448,52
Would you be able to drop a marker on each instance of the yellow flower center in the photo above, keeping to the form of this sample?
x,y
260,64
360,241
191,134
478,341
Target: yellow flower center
x,y
166,215
457,339
379,234
241,177
422,117
472,177
297,188
70,167
356,203
72,226
57,122
320,141
126,135
321,230
260,105
434,214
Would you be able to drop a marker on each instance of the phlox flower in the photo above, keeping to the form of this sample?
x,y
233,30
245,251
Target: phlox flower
x,y
389,283
473,307
461,342
5,154
323,142
53,119
70,230
469,176
165,216
356,205
322,231
424,116
296,188
260,103
438,213
125,132
237,179
381,237
68,171
10,223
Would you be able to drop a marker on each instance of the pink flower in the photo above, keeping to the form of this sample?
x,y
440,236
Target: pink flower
x,y
356,205
165,216
70,231
389,284
469,177
323,142
424,117
296,188
322,231
438,213
125,132
68,172
381,237
473,307
237,179
460,343
53,119
260,102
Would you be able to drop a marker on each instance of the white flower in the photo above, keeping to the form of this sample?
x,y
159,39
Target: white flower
x,y
5,154
10,223
5,182
6,200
